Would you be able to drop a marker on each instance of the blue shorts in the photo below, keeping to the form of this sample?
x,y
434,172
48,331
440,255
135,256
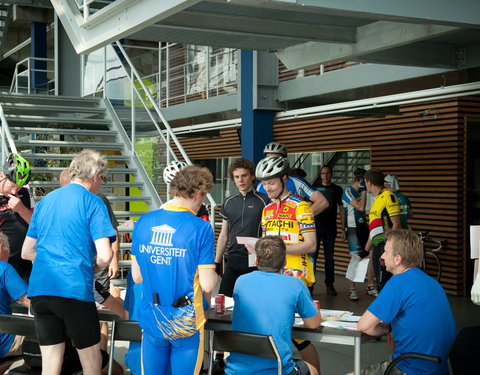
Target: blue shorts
x,y
182,356
357,238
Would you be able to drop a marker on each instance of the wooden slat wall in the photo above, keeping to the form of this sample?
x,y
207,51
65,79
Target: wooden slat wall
x,y
427,155
425,150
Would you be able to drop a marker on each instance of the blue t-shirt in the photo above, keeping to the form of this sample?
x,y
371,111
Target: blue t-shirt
x,y
66,222
170,245
12,287
405,208
266,303
296,186
422,322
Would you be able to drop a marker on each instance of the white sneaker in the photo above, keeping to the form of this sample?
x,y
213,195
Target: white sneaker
x,y
372,291
353,295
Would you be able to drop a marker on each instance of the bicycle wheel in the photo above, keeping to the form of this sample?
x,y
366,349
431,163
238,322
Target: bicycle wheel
x,y
431,265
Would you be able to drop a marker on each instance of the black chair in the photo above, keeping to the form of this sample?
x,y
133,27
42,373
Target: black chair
x,y
20,326
244,343
392,364
123,330
463,357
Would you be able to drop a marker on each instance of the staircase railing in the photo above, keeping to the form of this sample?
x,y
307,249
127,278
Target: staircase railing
x,y
167,134
8,145
27,73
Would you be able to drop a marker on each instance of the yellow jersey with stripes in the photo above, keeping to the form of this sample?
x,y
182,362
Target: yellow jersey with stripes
x,y
383,208
291,218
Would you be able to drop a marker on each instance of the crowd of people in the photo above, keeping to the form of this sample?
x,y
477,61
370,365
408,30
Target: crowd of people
x,y
265,256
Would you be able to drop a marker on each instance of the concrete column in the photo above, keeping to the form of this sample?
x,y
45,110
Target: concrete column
x,y
69,65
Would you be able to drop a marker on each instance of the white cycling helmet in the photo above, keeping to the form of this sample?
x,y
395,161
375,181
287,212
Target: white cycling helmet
x,y
172,169
272,167
275,148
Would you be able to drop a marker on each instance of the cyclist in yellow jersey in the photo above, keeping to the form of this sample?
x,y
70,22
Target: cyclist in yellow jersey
x,y
384,215
292,219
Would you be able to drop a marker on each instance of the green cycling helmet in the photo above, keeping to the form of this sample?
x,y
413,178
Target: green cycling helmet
x,y
17,169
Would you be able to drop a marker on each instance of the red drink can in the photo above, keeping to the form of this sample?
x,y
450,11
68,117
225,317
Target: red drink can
x,y
219,303
317,303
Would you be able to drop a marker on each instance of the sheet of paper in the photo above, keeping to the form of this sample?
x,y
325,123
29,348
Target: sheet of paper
x,y
357,269
339,325
249,243
351,318
474,241
334,314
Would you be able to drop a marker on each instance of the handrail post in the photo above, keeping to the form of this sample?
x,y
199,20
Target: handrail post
x,y
28,75
104,72
132,96
207,74
167,74
159,81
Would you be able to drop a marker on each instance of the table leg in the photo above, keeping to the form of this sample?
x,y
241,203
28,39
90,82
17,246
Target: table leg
x,y
357,356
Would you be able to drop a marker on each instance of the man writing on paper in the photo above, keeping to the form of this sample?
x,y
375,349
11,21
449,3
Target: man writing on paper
x,y
413,307
270,310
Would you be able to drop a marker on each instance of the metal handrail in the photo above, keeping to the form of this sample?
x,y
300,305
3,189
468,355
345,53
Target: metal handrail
x,y
27,72
169,132
6,134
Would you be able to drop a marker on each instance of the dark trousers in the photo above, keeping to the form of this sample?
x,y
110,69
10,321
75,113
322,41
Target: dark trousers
x,y
235,267
327,237
381,273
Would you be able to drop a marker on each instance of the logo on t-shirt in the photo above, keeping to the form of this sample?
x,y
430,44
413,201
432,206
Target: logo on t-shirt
x,y
162,235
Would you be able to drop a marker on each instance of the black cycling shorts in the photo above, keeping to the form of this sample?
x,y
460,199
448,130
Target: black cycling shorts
x,y
58,318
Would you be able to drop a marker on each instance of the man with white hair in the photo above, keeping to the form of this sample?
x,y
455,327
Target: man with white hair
x,y
70,234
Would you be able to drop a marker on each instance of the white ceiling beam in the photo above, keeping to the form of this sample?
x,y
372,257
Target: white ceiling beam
x,y
462,13
115,21
374,37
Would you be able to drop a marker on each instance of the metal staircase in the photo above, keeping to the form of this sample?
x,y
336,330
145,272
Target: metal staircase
x,y
49,130
5,16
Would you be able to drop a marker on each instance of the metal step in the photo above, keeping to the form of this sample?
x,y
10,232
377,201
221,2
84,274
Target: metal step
x,y
55,131
119,198
130,213
57,170
54,184
40,107
96,146
125,263
119,283
30,156
55,120
49,100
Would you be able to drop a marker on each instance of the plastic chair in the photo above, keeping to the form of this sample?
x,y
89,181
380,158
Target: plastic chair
x,y
244,343
463,357
425,357
123,330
